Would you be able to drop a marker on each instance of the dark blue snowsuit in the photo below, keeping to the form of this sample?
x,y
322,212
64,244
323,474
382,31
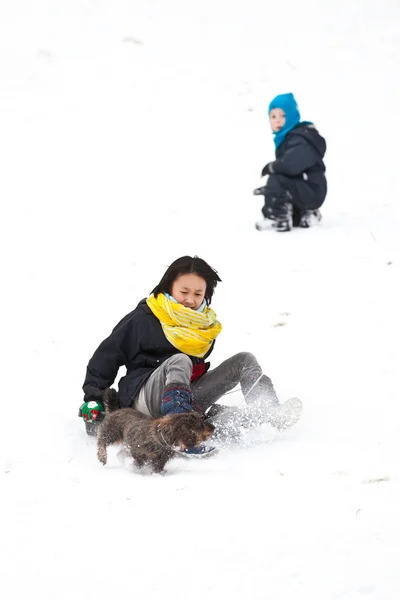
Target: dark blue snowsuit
x,y
297,175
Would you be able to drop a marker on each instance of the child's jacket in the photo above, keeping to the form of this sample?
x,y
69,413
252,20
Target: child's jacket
x,y
300,156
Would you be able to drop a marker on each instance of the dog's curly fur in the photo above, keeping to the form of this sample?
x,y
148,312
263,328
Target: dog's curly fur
x,y
146,440
110,400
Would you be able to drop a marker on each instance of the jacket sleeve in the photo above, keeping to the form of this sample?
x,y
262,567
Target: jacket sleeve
x,y
113,353
298,158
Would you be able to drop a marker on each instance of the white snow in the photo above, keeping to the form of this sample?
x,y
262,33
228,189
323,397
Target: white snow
x,y
131,133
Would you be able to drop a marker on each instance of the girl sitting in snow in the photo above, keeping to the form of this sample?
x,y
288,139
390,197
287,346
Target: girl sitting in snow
x,y
296,186
163,343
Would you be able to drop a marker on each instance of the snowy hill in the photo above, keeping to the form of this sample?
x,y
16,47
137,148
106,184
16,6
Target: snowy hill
x,y
133,133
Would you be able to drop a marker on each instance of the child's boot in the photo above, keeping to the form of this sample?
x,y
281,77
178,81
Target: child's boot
x,y
309,218
284,218
263,224
264,406
177,398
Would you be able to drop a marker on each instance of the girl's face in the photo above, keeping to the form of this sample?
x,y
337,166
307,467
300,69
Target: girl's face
x,y
277,118
189,290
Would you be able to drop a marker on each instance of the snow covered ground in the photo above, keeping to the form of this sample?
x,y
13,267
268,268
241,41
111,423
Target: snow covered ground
x,y
133,132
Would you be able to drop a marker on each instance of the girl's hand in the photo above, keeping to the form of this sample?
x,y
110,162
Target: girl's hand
x,y
91,411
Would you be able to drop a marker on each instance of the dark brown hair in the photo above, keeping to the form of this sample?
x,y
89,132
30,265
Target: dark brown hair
x,y
184,265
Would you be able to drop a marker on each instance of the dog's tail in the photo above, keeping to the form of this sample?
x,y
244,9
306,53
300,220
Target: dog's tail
x,y
110,400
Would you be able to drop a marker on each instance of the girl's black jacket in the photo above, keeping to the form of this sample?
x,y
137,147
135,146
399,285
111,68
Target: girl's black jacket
x,y
138,343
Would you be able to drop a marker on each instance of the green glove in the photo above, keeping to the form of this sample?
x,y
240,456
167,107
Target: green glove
x,y
90,411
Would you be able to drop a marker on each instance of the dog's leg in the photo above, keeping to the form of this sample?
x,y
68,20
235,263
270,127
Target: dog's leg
x,y
139,459
102,443
158,464
102,452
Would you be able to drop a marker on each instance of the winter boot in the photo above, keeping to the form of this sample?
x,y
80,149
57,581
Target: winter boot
x,y
284,218
263,224
287,414
309,218
176,398
264,406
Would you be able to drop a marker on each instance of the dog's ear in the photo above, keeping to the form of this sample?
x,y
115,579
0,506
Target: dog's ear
x,y
187,427
110,400
198,422
209,427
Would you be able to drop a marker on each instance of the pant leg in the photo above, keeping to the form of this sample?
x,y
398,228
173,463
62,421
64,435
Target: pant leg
x,y
177,368
276,197
241,368
301,193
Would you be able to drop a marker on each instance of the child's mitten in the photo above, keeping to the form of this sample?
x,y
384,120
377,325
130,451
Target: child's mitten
x,y
92,411
268,169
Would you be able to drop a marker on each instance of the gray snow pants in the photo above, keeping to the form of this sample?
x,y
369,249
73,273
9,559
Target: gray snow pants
x,y
241,368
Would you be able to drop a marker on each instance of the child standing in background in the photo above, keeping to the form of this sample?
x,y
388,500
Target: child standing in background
x,y
296,185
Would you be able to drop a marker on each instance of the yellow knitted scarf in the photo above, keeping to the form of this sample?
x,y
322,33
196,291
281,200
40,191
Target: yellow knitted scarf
x,y
189,331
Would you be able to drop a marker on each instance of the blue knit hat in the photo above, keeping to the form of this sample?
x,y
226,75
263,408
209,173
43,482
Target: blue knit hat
x,y
288,104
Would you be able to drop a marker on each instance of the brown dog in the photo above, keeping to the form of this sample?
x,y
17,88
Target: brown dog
x,y
151,441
